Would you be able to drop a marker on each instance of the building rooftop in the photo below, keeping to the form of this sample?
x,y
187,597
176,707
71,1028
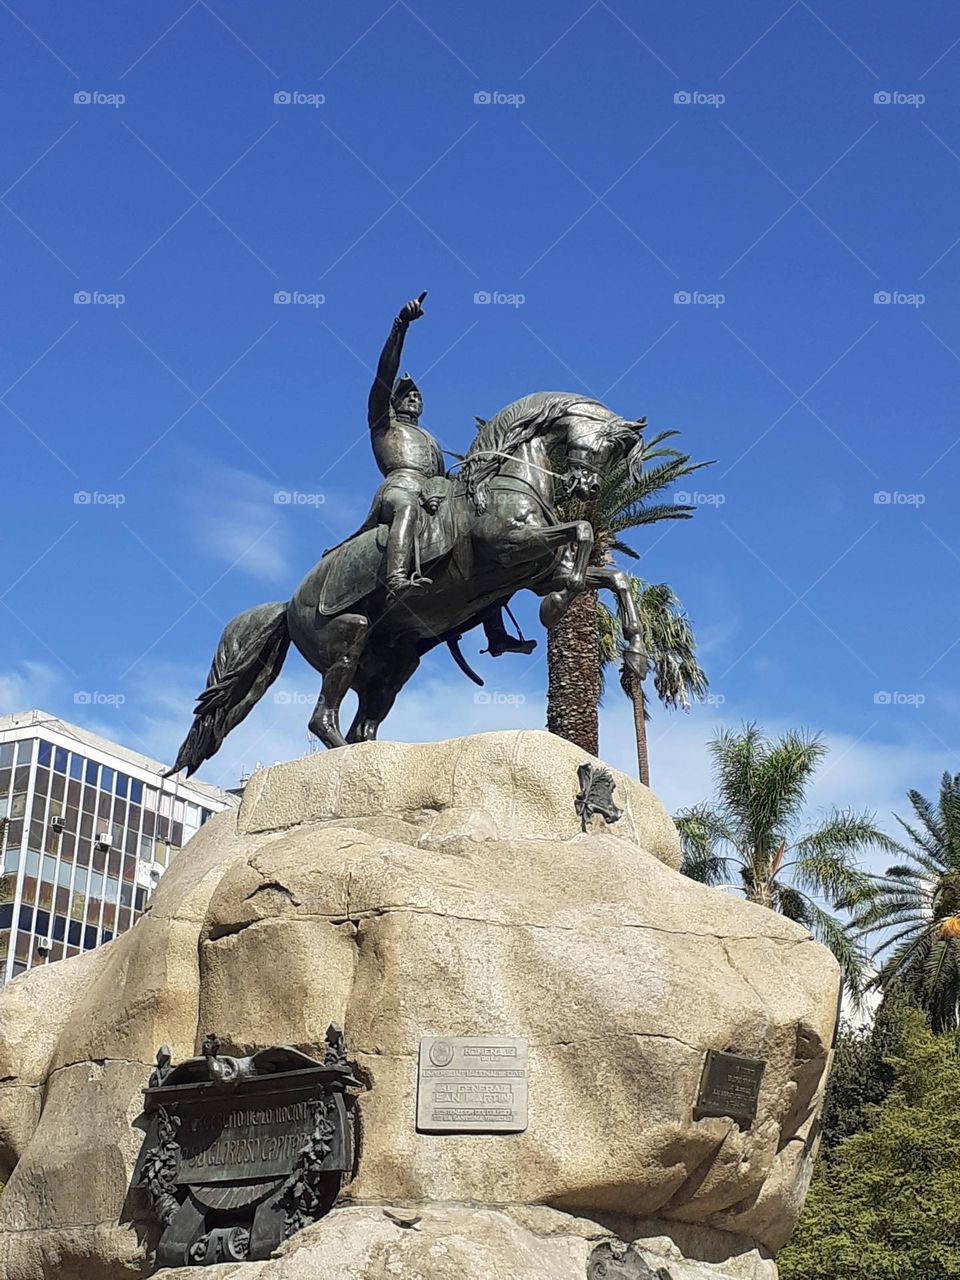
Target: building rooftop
x,y
38,720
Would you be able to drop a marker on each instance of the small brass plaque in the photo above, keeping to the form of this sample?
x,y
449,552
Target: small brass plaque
x,y
729,1086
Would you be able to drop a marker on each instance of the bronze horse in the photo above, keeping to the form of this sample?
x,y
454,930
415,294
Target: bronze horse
x,y
493,531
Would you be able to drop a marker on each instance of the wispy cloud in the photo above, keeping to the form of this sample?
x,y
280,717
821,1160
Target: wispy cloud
x,y
239,523
27,686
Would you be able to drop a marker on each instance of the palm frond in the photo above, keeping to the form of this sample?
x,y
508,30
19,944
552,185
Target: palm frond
x,y
704,840
608,631
928,816
848,952
940,988
624,549
824,857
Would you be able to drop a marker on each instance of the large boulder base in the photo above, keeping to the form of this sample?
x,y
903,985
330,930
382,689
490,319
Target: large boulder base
x,y
453,1242
407,890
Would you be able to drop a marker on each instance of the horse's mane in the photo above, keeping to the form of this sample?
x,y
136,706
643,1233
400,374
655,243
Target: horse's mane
x,y
520,421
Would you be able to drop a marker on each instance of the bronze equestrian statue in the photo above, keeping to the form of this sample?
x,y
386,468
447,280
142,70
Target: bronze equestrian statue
x,y
438,555
411,461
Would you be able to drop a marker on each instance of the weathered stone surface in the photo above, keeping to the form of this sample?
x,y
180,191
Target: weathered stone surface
x,y
525,781
450,1242
25,1057
463,901
76,1169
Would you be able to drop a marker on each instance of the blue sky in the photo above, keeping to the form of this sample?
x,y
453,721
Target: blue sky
x,y
628,153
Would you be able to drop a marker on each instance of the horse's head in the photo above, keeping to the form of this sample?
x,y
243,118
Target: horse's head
x,y
596,440
584,435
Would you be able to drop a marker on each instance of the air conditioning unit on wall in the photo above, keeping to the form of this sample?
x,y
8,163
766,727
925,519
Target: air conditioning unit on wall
x,y
149,873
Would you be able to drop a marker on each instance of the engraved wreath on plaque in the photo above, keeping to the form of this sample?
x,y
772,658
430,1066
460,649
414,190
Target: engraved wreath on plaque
x,y
240,1153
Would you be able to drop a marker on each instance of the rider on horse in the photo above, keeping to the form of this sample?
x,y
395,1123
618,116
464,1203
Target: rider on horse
x,y
407,456
412,463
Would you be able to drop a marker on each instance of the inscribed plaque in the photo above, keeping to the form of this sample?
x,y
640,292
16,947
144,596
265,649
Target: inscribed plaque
x,y
472,1084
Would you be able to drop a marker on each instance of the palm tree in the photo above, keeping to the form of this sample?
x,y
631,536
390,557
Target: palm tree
x,y
919,900
747,838
623,504
670,650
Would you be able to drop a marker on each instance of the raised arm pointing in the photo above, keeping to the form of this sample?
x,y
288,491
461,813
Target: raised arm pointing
x,y
378,406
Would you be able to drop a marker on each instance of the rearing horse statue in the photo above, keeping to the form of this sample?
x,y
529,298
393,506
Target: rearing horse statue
x,y
494,531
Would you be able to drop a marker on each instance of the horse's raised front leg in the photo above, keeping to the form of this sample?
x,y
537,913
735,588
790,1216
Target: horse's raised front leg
x,y
525,541
615,580
556,604
564,577
570,577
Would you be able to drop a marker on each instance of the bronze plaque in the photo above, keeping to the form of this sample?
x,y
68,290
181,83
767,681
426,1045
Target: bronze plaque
x,y
251,1136
729,1086
241,1152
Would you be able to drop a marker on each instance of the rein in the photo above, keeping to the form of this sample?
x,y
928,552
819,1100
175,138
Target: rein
x,y
509,457
514,484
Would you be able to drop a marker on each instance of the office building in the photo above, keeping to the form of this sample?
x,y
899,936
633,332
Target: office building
x,y
87,829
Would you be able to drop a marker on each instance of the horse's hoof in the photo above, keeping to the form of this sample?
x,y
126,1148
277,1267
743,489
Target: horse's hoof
x,y
552,608
328,732
635,660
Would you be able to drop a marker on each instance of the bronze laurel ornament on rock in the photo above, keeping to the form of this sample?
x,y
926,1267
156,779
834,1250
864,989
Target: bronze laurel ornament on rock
x,y
437,555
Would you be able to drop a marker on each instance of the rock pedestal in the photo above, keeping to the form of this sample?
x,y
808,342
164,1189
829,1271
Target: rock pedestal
x,y
403,891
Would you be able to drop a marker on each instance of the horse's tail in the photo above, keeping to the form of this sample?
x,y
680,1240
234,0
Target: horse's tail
x,y
248,660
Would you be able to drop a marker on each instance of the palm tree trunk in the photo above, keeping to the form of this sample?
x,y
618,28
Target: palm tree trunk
x,y
640,729
573,675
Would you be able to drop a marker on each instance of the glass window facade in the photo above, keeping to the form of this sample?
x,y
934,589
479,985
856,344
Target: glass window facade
x,y
82,846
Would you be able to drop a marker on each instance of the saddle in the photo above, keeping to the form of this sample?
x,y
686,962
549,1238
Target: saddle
x,y
354,568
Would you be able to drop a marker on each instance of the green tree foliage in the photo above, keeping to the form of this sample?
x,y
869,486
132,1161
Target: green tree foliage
x,y
669,649
574,646
749,837
916,906
887,1205
862,1073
